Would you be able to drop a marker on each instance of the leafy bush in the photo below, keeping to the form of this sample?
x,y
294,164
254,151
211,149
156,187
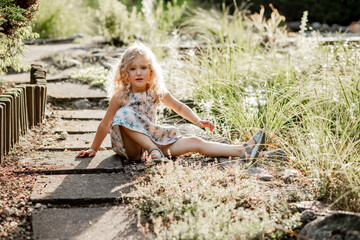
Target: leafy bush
x,y
116,24
15,26
63,18
152,25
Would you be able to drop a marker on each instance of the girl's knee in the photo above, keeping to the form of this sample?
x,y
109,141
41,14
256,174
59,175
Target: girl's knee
x,y
196,143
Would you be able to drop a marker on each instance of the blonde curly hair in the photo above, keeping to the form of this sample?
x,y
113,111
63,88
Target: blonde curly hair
x,y
119,79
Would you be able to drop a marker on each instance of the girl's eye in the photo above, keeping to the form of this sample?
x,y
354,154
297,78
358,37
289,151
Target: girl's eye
x,y
132,69
143,68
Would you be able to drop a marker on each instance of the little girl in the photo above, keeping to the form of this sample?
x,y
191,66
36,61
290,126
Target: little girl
x,y
136,90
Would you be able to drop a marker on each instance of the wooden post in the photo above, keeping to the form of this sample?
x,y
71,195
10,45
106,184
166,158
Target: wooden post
x,y
15,114
34,68
38,104
7,123
23,109
30,94
2,131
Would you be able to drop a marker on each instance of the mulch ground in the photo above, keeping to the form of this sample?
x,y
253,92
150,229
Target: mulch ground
x,y
15,208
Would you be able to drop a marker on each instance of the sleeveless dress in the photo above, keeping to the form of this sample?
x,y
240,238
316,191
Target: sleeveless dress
x,y
139,114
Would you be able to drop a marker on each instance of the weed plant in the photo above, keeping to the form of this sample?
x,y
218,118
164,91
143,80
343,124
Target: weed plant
x,y
190,201
305,94
96,76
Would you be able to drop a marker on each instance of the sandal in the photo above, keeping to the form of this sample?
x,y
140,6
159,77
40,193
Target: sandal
x,y
161,159
259,139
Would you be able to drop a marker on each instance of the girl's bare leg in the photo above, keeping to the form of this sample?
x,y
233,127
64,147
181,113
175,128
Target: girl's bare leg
x,y
207,148
134,141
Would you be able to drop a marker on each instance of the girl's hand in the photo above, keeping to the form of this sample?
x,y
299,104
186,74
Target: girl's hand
x,y
205,124
88,153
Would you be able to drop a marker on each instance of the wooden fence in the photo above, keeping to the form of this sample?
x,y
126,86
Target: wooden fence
x,y
21,108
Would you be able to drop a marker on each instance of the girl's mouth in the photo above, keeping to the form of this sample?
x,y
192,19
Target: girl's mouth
x,y
138,79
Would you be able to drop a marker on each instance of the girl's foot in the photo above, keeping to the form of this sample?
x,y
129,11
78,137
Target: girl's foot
x,y
157,155
254,146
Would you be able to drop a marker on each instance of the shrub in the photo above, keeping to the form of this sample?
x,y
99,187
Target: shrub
x,y
116,24
15,26
63,18
153,25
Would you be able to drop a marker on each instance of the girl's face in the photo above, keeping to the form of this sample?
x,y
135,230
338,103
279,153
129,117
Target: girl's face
x,y
139,74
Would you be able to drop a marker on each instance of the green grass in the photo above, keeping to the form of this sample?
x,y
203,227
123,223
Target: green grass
x,y
306,95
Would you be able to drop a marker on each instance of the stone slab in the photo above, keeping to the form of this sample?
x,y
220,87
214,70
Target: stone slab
x,y
81,188
80,114
64,90
16,78
66,162
76,126
117,222
74,142
33,53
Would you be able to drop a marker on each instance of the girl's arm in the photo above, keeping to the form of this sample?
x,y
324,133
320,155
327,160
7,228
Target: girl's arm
x,y
185,112
103,128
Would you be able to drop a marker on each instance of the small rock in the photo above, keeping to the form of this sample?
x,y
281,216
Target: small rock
x,y
82,104
344,226
316,26
63,136
274,155
289,175
140,167
22,204
265,177
16,213
13,224
7,212
309,205
38,206
68,63
307,216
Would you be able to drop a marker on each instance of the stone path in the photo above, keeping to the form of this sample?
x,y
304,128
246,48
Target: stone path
x,y
80,198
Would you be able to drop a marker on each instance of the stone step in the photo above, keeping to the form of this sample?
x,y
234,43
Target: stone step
x,y
68,90
74,142
76,126
15,78
67,163
116,222
80,114
81,188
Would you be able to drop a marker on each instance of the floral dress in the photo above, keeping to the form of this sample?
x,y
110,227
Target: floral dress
x,y
139,114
